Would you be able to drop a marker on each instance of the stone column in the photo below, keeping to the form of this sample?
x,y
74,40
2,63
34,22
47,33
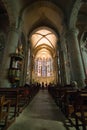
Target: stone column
x,y
56,62
62,68
75,57
55,68
24,76
66,69
10,48
31,63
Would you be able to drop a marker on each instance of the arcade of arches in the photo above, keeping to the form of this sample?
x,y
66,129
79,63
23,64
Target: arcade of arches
x,y
43,41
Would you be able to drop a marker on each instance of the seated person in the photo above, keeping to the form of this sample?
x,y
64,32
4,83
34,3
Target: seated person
x,y
74,85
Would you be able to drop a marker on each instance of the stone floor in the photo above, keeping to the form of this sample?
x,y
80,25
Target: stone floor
x,y
41,114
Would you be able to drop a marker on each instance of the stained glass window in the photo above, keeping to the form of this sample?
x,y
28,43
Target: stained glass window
x,y
39,66
43,67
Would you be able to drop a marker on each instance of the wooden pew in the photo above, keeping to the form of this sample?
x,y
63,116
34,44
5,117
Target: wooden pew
x,y
25,96
4,110
33,90
13,95
80,110
68,102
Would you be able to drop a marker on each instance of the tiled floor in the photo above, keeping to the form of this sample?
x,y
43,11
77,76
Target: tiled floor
x,y
41,114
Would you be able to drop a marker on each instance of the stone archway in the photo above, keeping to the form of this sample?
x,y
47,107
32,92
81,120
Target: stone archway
x,y
43,50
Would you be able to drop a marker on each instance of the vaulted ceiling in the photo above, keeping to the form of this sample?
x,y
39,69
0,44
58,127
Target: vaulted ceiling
x,y
15,9
82,18
52,13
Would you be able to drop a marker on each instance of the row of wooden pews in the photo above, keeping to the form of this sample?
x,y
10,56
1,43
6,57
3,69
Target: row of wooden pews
x,y
73,103
80,110
15,100
4,111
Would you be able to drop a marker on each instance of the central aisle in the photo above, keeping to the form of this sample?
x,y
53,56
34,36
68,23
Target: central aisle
x,y
41,114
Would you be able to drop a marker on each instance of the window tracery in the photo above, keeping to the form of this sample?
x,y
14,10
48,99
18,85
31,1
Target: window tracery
x,y
43,67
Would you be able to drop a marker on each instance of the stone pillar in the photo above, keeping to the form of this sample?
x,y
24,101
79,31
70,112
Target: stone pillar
x,y
75,57
24,76
10,48
32,68
56,62
55,68
31,63
66,69
62,68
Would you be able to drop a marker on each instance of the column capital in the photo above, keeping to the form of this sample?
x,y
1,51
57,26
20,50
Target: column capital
x,y
71,31
13,28
74,30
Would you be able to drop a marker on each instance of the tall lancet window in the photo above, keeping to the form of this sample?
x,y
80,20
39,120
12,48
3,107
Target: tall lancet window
x,y
39,67
43,67
48,67
36,66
